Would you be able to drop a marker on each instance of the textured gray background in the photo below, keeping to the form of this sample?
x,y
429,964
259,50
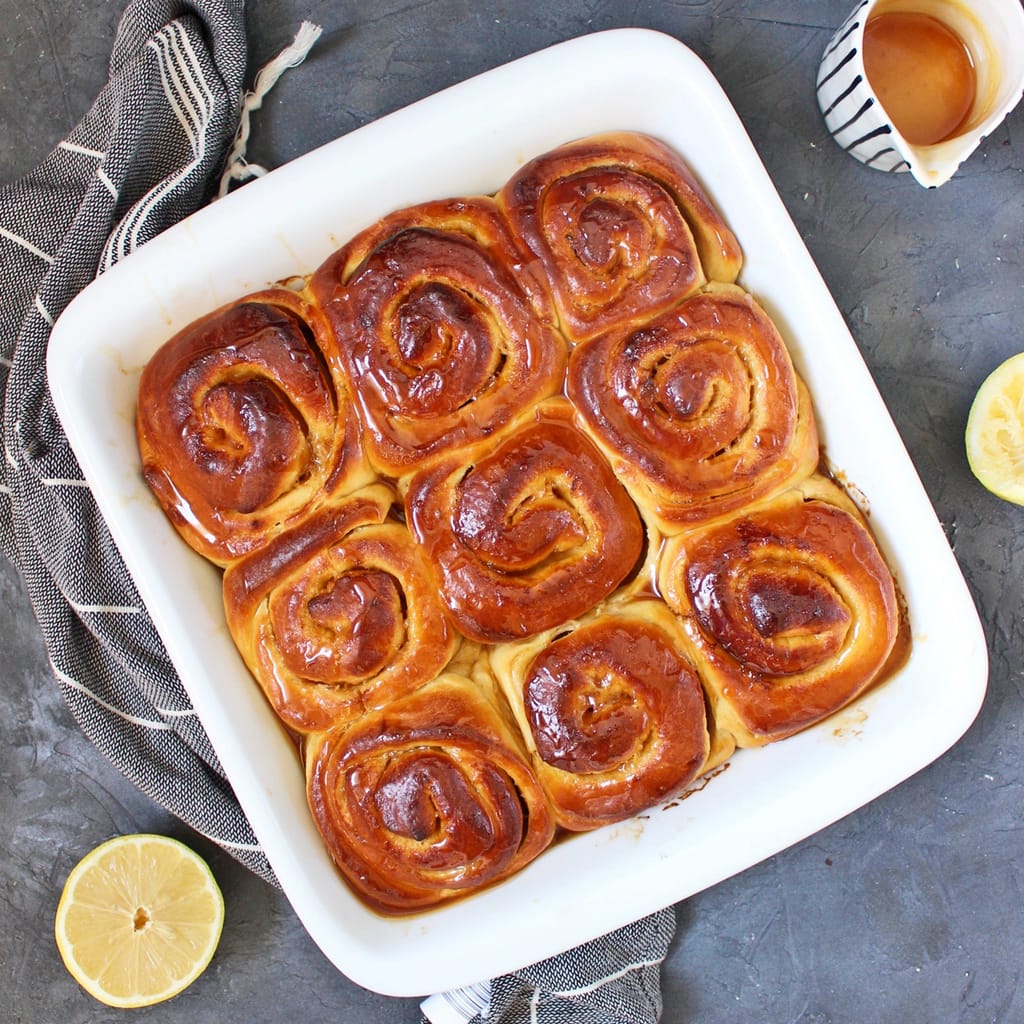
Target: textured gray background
x,y
909,909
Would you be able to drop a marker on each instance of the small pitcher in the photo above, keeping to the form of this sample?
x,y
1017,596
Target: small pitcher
x,y
993,33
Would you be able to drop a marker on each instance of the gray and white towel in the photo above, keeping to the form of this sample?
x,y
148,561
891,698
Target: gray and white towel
x,y
615,979
150,151
141,159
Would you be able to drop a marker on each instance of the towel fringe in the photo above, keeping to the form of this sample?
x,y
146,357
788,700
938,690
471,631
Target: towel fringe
x,y
237,167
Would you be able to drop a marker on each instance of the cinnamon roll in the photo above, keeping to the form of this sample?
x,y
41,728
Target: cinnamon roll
x,y
337,614
791,606
612,710
525,533
428,798
440,329
700,410
621,228
242,427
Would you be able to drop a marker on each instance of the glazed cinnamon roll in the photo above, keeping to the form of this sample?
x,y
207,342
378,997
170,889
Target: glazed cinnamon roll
x,y
525,533
621,228
791,606
440,329
700,411
612,710
428,798
241,426
337,614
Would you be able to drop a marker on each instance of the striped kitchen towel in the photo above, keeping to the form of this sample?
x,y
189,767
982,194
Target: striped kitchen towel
x,y
615,979
153,148
142,158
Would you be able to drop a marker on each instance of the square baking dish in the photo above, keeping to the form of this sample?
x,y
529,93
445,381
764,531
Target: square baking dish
x,y
470,139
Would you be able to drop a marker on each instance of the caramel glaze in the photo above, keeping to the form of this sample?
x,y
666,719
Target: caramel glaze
x,y
337,614
533,531
922,72
699,410
428,798
791,606
441,332
616,716
620,227
241,427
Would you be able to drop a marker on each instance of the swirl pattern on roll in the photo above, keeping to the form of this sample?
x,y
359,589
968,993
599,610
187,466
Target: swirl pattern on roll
x,y
427,799
621,229
338,614
791,606
439,328
241,426
612,710
526,533
700,410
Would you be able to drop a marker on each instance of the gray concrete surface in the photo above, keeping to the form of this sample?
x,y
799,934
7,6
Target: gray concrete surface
x,y
907,910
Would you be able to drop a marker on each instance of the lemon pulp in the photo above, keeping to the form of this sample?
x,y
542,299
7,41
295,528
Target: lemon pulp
x,y
138,920
995,431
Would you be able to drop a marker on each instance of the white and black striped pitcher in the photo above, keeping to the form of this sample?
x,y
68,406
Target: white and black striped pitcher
x,y
991,32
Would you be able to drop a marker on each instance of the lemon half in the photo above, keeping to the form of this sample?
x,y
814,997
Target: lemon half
x,y
995,431
139,920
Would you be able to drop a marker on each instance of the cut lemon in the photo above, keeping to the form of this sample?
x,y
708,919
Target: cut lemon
x,y
138,920
995,431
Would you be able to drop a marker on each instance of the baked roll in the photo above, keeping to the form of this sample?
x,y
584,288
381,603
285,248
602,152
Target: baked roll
x,y
526,533
338,614
440,330
700,410
611,709
241,426
428,798
791,606
621,228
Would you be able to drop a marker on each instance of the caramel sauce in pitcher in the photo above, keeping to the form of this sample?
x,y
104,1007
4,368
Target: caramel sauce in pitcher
x,y
922,72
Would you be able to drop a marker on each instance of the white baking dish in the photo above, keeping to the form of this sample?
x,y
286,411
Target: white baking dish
x,y
470,138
